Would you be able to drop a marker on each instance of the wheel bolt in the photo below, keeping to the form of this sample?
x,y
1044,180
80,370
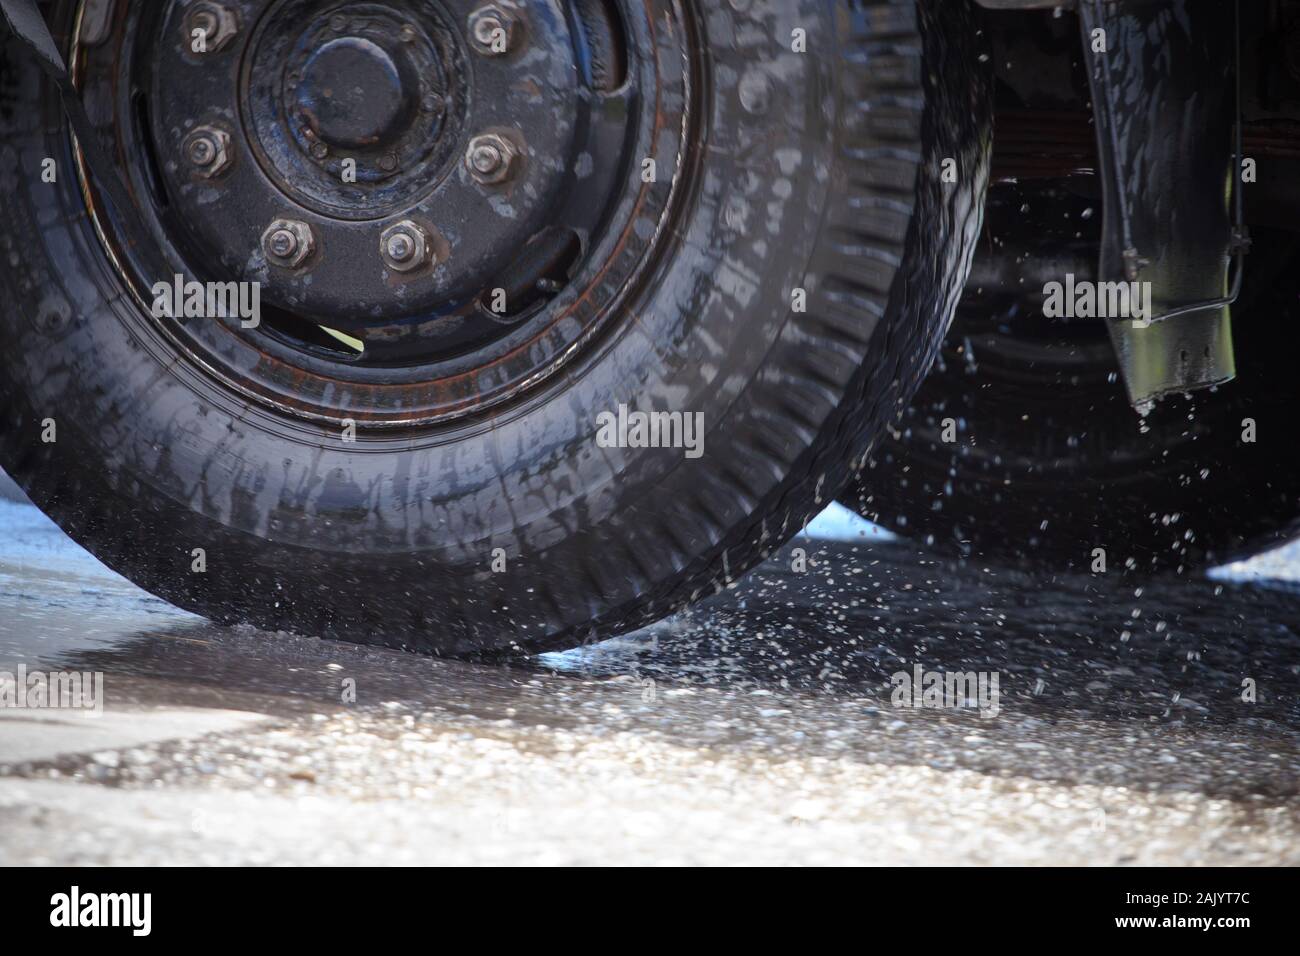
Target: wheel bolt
x,y
207,149
214,23
288,243
282,244
400,248
405,246
202,151
491,158
494,29
486,159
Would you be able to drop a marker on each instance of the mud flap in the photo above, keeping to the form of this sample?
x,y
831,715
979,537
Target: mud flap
x,y
1162,83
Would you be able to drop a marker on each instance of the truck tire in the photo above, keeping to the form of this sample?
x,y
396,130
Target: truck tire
x,y
785,268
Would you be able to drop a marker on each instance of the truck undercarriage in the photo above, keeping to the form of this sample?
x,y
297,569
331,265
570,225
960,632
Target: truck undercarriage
x,y
435,244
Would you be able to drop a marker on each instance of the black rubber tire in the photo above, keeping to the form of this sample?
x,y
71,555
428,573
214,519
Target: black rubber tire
x,y
833,186
1050,462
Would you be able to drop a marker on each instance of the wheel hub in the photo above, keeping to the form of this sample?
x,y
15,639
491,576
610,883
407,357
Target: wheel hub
x,y
352,95
335,100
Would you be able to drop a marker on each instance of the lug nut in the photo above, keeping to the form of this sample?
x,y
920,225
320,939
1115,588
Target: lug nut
x,y
207,149
405,246
494,29
288,243
217,24
491,158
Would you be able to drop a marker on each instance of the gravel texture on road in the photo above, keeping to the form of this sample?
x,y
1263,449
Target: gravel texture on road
x,y
760,727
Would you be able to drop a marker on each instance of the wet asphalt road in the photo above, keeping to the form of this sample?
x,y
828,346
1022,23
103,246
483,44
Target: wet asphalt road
x,y
757,728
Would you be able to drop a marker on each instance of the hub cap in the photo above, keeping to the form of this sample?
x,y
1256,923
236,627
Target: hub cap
x,y
347,113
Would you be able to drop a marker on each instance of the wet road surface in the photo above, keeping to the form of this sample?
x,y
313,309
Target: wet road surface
x,y
760,727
